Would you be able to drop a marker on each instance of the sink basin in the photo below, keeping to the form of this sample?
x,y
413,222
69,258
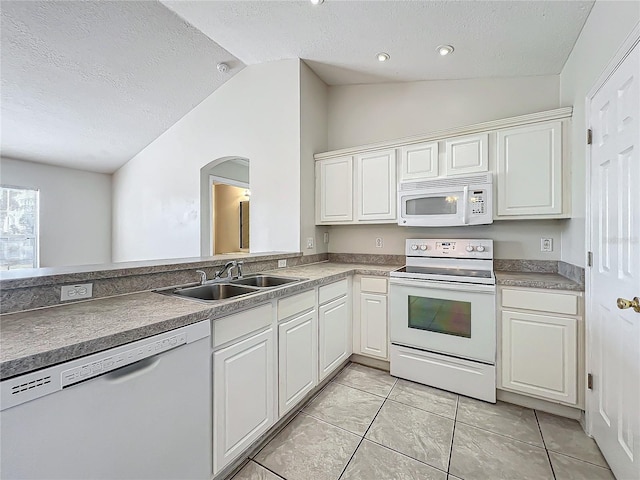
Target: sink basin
x,y
264,281
216,291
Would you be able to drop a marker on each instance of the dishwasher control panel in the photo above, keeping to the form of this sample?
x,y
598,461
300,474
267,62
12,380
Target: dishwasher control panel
x,y
107,364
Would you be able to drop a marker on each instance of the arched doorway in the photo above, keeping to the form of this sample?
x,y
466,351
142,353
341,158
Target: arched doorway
x,y
224,206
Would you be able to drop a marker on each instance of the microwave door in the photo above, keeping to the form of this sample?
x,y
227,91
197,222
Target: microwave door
x,y
432,209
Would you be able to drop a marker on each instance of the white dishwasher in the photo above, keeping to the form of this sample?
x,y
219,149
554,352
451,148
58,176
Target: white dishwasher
x,y
139,411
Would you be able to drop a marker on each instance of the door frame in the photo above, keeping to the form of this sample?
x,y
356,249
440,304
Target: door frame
x,y
621,54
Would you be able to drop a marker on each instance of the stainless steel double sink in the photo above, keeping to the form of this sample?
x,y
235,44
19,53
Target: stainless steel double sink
x,y
225,289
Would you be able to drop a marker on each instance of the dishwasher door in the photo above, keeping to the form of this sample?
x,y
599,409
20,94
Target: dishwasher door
x,y
150,419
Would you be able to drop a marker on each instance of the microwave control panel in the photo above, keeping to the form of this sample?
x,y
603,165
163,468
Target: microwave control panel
x,y
477,200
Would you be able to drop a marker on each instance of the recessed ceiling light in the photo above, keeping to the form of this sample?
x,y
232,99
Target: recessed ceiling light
x,y
445,50
317,2
383,57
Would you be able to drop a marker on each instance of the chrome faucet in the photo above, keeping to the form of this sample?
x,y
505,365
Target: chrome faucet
x,y
228,267
203,276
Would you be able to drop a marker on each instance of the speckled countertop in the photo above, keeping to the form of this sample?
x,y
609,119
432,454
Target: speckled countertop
x,y
552,281
36,339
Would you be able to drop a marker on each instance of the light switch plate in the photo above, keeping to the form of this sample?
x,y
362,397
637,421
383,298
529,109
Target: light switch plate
x,y
76,292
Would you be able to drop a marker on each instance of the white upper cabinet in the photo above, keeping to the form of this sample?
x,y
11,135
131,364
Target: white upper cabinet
x,y
529,170
334,190
468,154
376,186
419,161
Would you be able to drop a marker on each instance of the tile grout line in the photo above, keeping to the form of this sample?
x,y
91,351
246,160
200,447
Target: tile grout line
x,y
453,434
546,450
359,443
267,469
405,455
541,447
366,431
422,409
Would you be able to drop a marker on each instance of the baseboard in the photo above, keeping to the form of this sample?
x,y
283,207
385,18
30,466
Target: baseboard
x,y
537,404
370,362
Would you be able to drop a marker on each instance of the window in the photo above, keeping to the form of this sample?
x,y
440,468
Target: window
x,y
18,228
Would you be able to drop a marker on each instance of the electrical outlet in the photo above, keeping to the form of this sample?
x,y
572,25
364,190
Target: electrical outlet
x,y
546,244
282,263
379,242
310,242
326,237
76,292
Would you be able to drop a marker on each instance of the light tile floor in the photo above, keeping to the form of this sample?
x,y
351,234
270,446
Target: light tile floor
x,y
368,425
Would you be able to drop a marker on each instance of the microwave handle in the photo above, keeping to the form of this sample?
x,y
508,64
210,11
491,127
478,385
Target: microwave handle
x,y
465,204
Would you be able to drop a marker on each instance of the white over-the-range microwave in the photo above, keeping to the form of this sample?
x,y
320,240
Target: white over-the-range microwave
x,y
446,201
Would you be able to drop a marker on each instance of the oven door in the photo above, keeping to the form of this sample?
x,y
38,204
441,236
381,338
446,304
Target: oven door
x,y
433,207
450,318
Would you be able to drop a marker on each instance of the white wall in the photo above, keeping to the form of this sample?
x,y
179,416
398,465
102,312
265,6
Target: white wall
x,y
360,114
75,211
255,115
513,239
313,139
605,30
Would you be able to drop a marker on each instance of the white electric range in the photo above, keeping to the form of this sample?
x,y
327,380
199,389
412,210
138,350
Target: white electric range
x,y
443,316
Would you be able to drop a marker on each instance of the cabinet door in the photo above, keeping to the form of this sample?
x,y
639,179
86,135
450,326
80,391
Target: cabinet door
x,y
298,359
530,170
334,324
376,185
419,161
468,154
334,190
539,355
373,325
243,396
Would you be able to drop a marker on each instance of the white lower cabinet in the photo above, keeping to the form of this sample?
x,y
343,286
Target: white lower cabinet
x,y
298,359
373,325
243,395
334,326
540,349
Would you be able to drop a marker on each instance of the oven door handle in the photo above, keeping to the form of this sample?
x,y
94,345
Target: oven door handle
x,y
460,287
465,200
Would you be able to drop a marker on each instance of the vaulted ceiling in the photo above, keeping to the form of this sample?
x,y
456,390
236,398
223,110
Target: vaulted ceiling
x,y
89,84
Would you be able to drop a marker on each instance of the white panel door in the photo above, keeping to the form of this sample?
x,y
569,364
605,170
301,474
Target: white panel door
x,y
373,325
419,161
468,154
376,185
334,325
243,396
539,355
298,359
530,170
613,404
334,190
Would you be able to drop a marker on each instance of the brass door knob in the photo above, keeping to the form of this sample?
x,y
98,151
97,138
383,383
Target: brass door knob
x,y
623,303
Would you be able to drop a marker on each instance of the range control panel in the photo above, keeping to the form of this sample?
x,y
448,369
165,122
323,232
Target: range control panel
x,y
459,248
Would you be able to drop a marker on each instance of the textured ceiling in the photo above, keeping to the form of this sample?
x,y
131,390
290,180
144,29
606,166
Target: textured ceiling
x,y
340,38
89,84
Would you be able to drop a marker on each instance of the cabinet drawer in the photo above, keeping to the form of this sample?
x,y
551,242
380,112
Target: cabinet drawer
x,y
541,301
373,285
235,326
333,290
295,304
